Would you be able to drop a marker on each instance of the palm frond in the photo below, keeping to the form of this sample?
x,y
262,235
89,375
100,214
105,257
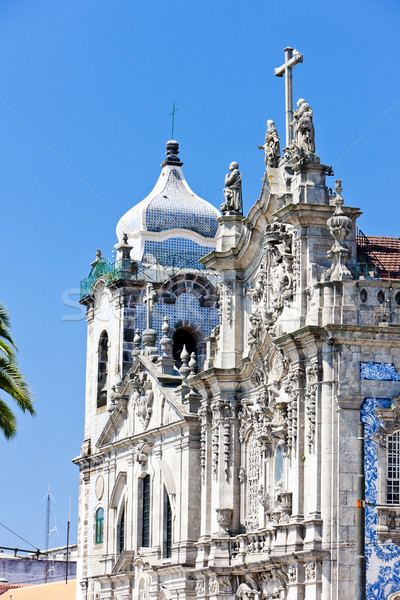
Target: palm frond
x,y
11,379
5,326
12,382
7,349
8,423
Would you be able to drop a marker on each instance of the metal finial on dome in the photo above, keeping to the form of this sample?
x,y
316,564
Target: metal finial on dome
x,y
172,154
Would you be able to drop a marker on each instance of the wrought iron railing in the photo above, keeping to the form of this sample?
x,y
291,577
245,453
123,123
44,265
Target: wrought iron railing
x,y
151,271
364,245
370,271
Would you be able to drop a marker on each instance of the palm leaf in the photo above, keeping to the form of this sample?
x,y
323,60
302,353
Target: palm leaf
x,y
8,422
11,379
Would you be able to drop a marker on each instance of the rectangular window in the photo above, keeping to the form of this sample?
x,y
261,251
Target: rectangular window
x,y
146,512
393,469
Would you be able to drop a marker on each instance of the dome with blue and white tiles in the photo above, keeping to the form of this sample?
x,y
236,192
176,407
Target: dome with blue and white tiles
x,y
172,219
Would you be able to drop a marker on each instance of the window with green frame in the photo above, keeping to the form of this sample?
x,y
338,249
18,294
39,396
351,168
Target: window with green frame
x,y
99,526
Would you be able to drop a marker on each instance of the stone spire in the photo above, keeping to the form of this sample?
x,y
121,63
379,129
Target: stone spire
x,y
172,154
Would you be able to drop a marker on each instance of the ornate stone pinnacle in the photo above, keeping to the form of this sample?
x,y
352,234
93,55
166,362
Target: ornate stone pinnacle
x,y
184,370
150,342
338,197
172,154
166,341
166,326
193,364
339,226
137,340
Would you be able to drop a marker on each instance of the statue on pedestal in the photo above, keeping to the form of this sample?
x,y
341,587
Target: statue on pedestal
x,y
271,146
303,127
233,190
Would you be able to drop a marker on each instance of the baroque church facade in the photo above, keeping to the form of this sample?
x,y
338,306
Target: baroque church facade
x,y
230,360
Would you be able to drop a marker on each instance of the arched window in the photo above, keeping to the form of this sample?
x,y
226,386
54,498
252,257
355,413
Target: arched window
x,y
99,526
393,469
183,337
102,370
146,511
121,532
167,525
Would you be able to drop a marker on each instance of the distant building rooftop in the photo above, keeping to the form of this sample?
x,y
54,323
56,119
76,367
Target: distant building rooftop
x,y
382,252
45,591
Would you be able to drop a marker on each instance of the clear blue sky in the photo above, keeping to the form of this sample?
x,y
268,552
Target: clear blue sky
x,y
96,81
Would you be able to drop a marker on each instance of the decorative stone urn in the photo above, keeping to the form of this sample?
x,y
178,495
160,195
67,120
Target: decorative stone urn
x,y
285,500
224,518
339,226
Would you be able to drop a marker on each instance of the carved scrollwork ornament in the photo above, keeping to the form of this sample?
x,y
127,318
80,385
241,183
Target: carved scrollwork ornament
x,y
390,419
292,573
242,475
227,426
258,377
275,281
204,415
293,390
311,571
312,377
225,290
213,585
142,397
264,499
200,587
254,329
225,584
279,366
273,583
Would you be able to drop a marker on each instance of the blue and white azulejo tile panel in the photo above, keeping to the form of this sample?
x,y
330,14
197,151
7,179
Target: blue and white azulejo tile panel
x,y
175,252
383,560
376,371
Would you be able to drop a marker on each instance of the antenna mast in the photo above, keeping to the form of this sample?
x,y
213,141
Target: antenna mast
x,y
48,497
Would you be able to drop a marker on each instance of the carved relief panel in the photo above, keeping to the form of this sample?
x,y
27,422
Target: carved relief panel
x,y
276,280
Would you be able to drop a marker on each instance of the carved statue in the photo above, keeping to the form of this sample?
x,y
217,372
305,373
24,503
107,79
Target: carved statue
x,y
255,328
271,146
233,190
303,126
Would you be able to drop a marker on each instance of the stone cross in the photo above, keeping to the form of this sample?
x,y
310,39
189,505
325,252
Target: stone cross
x,y
292,58
149,298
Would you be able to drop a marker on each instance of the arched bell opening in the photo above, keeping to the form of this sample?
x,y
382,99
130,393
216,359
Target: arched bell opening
x,y
102,370
183,337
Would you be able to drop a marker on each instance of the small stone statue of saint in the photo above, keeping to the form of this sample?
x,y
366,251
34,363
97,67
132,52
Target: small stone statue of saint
x,y
271,146
303,127
233,190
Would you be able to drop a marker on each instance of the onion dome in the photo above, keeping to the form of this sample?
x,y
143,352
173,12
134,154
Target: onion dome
x,y
171,209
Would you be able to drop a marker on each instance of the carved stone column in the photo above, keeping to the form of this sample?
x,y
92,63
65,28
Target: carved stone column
x,y
224,460
230,346
230,230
